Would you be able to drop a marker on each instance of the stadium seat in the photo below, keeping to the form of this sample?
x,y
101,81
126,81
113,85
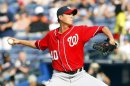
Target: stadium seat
x,y
44,71
29,50
25,83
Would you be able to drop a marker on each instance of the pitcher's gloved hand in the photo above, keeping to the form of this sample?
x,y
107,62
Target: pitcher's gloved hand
x,y
104,47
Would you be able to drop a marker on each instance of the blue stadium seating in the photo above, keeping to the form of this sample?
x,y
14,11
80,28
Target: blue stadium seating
x,y
43,77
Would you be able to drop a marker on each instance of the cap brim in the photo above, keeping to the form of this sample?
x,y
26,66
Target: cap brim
x,y
74,12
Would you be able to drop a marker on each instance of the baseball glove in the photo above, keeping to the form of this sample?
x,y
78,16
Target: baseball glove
x,y
104,47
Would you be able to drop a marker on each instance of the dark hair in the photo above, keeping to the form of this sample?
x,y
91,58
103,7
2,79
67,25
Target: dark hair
x,y
118,9
58,20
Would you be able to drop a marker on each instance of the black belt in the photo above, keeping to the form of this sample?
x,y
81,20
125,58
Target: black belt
x,y
73,72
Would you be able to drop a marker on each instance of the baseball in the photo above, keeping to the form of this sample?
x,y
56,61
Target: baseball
x,y
10,41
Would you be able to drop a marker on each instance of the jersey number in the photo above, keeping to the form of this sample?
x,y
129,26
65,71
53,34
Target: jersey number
x,y
54,55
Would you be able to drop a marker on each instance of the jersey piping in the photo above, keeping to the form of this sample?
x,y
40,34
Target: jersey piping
x,y
96,31
60,57
65,48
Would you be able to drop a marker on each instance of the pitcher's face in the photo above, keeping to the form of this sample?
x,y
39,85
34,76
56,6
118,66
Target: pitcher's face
x,y
67,19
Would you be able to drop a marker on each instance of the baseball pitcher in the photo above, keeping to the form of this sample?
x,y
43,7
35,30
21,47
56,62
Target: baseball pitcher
x,y
66,45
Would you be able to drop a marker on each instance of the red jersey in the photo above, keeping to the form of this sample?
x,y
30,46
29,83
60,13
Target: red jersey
x,y
67,48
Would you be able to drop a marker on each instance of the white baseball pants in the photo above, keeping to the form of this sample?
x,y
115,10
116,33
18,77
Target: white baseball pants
x,y
79,79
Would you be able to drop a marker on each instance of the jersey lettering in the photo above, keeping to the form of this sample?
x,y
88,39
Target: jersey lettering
x,y
54,55
73,40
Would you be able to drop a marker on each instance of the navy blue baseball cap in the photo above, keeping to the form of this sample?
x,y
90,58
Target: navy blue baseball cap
x,y
66,10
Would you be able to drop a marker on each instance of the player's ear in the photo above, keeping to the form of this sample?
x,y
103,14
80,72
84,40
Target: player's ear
x,y
60,17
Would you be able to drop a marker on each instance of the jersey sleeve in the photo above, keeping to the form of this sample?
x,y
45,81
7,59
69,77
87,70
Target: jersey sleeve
x,y
89,32
42,44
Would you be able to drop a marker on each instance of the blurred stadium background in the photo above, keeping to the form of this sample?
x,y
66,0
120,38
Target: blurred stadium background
x,y
32,19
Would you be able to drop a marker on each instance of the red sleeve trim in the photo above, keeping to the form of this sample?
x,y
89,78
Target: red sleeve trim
x,y
37,44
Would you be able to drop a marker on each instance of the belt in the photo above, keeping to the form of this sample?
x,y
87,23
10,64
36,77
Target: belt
x,y
73,72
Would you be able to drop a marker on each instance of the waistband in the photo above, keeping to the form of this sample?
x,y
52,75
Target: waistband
x,y
74,72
